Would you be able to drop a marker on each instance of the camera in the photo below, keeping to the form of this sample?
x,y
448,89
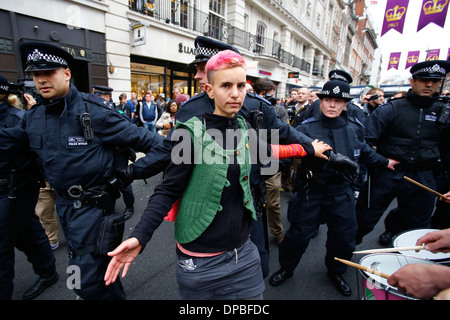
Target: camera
x,y
374,97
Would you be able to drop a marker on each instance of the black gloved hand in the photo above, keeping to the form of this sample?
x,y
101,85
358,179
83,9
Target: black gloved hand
x,y
346,167
125,175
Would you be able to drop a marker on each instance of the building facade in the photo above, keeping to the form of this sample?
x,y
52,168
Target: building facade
x,y
140,45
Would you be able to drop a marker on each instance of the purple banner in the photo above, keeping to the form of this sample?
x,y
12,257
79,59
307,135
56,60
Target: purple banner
x,y
448,54
394,16
433,54
412,59
433,11
394,60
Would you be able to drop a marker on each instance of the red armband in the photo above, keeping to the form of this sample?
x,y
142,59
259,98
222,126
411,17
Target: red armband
x,y
172,214
281,152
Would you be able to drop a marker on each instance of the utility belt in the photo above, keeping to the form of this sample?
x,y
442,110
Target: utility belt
x,y
309,177
112,224
101,196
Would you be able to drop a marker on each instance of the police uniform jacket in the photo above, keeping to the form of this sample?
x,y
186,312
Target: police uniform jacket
x,y
68,158
408,130
15,153
345,134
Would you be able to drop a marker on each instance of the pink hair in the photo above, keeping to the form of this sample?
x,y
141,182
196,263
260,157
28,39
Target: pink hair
x,y
226,59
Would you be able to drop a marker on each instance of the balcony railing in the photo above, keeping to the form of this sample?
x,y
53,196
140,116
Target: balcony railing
x,y
181,14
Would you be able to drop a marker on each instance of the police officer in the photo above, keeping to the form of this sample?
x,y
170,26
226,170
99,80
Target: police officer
x,y
19,190
106,93
409,130
75,136
352,109
326,190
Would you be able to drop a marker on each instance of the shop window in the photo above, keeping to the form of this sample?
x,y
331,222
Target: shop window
x,y
147,77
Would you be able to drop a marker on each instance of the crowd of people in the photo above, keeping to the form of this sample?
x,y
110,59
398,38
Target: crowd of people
x,y
344,161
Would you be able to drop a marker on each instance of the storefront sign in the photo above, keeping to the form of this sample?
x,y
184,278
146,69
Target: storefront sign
x,y
266,73
79,53
185,49
139,34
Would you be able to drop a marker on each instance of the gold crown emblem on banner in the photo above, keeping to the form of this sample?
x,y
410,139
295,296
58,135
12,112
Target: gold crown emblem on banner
x,y
413,58
434,6
394,60
395,13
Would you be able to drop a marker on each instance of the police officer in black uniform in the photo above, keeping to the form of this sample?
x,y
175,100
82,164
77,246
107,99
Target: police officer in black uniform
x,y
105,92
325,190
408,130
19,191
75,136
352,109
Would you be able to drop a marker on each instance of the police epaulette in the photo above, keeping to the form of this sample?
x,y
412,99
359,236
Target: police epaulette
x,y
356,120
18,112
309,120
97,100
254,95
197,96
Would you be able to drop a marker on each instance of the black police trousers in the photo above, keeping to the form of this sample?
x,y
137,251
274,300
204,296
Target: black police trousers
x,y
415,205
20,228
306,210
81,228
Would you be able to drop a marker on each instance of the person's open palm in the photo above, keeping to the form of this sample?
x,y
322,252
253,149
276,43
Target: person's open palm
x,y
123,255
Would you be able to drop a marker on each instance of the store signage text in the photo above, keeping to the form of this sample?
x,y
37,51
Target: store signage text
x,y
185,49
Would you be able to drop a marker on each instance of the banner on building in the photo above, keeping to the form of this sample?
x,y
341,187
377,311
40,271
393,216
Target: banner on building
x,y
448,54
433,11
412,58
394,15
394,60
433,54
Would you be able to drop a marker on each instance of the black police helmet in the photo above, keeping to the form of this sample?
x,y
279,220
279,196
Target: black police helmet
x,y
42,56
206,47
335,89
340,75
4,85
102,90
434,69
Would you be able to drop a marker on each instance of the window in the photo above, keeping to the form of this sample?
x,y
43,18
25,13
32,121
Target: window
x,y
217,6
180,12
260,37
216,19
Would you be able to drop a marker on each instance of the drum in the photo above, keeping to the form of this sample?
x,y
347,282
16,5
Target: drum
x,y
376,287
409,238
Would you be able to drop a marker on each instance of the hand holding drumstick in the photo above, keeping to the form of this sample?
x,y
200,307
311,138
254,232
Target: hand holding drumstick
x,y
436,241
425,281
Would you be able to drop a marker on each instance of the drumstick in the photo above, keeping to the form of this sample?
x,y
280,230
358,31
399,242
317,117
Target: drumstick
x,y
364,268
424,187
390,249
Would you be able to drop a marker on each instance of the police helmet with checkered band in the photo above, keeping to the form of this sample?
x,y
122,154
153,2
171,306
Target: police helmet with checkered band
x,y
206,47
42,56
335,89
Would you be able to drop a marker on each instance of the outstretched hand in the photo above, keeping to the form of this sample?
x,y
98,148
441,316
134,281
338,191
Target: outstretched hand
x,y
319,148
123,255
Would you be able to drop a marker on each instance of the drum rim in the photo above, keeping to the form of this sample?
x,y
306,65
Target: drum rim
x,y
388,288
412,230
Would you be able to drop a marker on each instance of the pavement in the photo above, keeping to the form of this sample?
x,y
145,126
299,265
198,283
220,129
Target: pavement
x,y
152,275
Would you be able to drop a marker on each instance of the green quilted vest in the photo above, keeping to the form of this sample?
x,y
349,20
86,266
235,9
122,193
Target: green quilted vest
x,y
201,199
